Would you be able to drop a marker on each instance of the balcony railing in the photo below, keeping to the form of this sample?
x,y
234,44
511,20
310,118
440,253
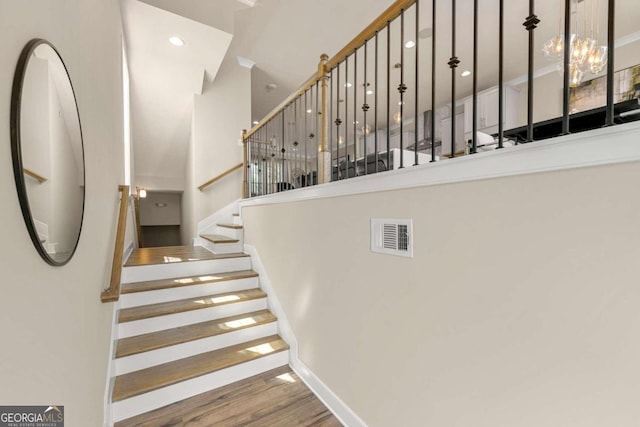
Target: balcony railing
x,y
394,97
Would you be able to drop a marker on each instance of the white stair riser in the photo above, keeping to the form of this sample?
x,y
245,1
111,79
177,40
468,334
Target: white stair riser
x,y
183,269
232,233
164,295
160,323
222,248
164,396
179,351
237,220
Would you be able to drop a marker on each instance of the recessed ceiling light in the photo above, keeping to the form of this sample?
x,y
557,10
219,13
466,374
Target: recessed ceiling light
x,y
176,41
466,73
410,44
309,111
348,84
255,122
369,92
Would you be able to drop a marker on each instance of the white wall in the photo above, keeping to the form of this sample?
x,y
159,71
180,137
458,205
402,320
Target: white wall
x,y
520,307
55,331
220,114
188,226
151,214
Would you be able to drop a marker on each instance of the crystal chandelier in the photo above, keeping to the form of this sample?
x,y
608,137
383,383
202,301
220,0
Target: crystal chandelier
x,y
585,53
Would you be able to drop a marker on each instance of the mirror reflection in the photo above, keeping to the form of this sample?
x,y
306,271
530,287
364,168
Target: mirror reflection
x,y
48,152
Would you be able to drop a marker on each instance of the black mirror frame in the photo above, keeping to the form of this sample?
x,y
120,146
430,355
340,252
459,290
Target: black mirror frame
x,y
16,150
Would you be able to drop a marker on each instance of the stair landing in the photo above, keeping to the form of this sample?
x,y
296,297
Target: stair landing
x,y
173,254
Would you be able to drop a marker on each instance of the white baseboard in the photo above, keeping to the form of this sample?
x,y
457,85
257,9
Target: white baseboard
x,y
284,327
340,409
321,390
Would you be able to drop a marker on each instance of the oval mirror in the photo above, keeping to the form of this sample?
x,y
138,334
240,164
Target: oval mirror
x,y
47,151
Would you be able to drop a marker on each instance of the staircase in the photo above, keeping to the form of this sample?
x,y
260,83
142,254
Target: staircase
x,y
191,320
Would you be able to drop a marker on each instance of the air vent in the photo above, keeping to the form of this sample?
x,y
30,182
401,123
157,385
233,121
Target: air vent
x,y
392,236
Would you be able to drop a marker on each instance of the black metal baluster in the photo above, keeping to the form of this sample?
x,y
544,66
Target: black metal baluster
x,y
530,24
501,77
346,120
268,149
338,122
355,114
263,164
331,116
402,88
611,16
388,95
306,139
474,126
433,81
566,70
365,108
375,120
315,133
415,120
295,137
282,150
453,64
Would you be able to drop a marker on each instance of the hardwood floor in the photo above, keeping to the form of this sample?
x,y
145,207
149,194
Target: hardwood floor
x,y
276,398
171,254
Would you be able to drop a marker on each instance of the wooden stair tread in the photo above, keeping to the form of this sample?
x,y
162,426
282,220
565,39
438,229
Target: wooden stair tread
x,y
174,254
234,226
179,306
149,379
154,285
155,340
218,238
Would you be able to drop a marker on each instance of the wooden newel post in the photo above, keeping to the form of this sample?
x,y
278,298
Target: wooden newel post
x,y
245,172
324,155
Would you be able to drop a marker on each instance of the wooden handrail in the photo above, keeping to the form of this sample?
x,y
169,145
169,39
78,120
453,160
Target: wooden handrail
x,y
219,177
34,175
391,13
112,293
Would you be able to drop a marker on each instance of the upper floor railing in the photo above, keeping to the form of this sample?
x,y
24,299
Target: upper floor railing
x,y
398,94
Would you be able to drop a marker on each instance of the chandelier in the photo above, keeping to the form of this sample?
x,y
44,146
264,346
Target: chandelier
x,y
585,52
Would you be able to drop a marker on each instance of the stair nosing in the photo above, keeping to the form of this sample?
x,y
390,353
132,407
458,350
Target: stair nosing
x,y
260,294
169,367
248,274
271,318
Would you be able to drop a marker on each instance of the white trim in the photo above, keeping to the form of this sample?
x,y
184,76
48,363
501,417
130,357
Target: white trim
x,y
617,144
340,409
108,389
284,327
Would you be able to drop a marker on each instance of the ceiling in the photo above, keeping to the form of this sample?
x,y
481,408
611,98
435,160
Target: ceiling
x,y
284,38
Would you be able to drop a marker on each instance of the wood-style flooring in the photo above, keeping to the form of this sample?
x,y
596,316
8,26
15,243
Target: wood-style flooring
x,y
275,398
171,254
